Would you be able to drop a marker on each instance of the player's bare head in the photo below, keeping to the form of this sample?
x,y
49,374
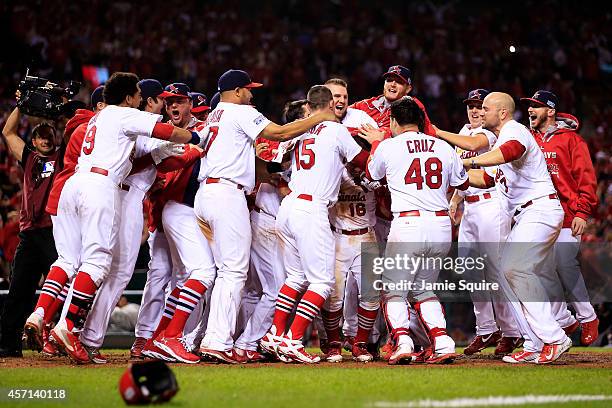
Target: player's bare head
x,y
339,90
319,98
295,110
43,138
497,108
122,89
398,82
406,113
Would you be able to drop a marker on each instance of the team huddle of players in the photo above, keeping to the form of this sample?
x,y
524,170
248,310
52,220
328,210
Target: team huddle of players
x,y
256,228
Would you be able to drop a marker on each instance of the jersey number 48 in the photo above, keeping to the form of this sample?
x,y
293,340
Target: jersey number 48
x,y
432,170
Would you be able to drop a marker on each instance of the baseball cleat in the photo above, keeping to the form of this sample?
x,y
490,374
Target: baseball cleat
x,y
176,348
551,352
255,356
521,357
441,358
590,332
373,350
423,355
360,353
348,342
150,350
569,330
387,350
33,331
294,351
136,350
507,345
402,354
269,343
67,341
49,349
334,355
222,356
94,355
481,342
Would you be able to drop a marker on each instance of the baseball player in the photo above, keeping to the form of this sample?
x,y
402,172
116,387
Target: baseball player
x,y
307,242
344,300
398,83
419,169
188,250
484,226
200,108
266,261
230,131
527,192
571,170
90,200
131,196
75,133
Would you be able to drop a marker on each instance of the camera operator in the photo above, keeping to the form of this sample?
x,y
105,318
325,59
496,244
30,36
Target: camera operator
x,y
36,250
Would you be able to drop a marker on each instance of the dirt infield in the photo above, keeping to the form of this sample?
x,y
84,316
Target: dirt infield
x,y
118,358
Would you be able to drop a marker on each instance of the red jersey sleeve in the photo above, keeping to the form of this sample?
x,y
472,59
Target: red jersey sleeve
x,y
583,172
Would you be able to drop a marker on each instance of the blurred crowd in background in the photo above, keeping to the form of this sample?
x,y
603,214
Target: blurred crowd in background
x,y
289,45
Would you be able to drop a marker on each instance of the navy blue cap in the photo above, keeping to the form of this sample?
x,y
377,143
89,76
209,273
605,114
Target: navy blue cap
x,y
200,102
399,71
178,89
544,98
152,88
236,78
214,101
96,96
476,95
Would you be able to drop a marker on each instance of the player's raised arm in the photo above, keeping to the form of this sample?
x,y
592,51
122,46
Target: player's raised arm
x,y
14,142
296,128
471,143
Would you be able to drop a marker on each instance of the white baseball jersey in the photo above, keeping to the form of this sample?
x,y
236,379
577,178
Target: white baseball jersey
x,y
419,169
356,206
318,160
268,199
357,118
526,178
144,179
110,138
231,131
466,130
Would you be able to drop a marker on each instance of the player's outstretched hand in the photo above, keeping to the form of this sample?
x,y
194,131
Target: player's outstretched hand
x,y
371,134
166,149
452,211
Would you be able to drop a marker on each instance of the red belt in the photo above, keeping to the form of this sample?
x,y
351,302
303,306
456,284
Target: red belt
x,y
350,232
417,213
99,170
306,197
553,196
476,198
212,180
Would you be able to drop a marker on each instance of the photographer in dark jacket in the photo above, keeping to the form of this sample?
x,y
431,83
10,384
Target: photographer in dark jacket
x,y
36,251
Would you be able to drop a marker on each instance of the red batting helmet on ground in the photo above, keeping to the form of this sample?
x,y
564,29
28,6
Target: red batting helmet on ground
x,y
147,382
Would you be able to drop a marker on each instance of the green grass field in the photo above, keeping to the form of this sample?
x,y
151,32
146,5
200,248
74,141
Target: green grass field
x,y
344,385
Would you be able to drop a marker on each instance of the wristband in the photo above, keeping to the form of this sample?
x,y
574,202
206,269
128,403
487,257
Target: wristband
x,y
195,138
472,164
